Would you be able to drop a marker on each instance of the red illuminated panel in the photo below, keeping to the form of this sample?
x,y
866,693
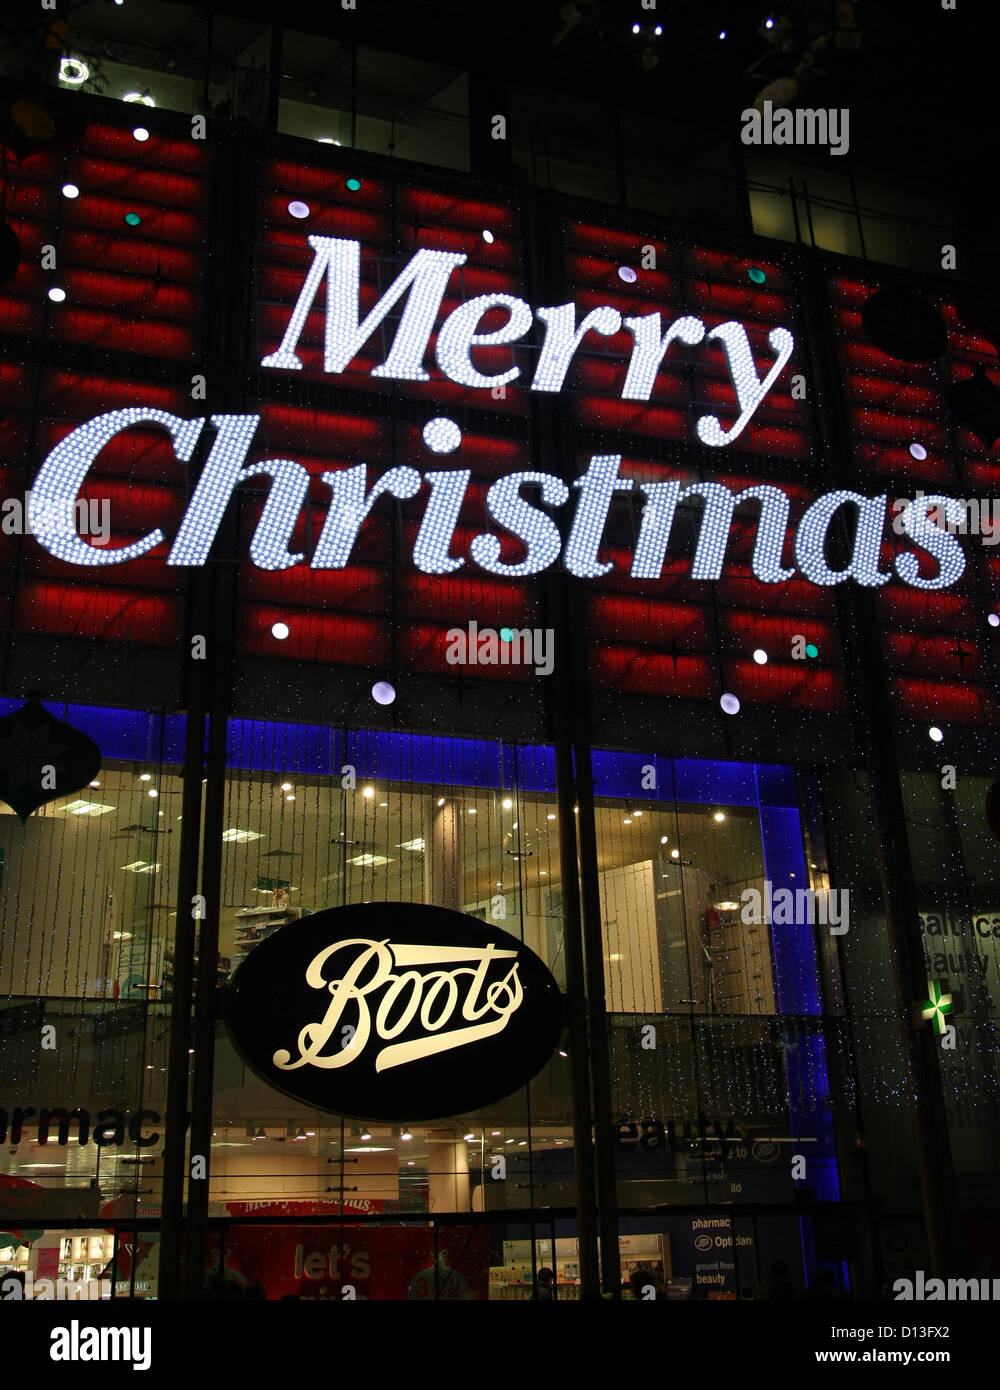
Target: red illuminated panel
x,y
344,640
776,635
943,701
955,657
490,603
642,672
680,628
358,589
423,647
790,684
84,610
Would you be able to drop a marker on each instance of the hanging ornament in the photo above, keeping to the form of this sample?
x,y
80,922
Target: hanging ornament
x,y
904,325
976,402
42,758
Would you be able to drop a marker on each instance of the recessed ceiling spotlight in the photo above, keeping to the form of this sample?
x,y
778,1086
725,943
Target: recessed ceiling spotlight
x,y
56,294
628,274
383,693
280,631
70,190
730,704
488,237
935,734
719,817
298,209
760,656
368,793
73,71
141,134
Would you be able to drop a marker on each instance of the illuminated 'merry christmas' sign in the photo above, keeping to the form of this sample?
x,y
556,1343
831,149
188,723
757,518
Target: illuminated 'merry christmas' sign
x,y
422,283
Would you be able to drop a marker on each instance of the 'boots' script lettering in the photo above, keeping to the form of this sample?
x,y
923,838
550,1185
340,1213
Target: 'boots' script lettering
x,y
382,1004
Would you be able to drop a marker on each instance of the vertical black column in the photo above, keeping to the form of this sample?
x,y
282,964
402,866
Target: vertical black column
x,y
225,366
206,998
583,1122
175,1124
593,938
552,431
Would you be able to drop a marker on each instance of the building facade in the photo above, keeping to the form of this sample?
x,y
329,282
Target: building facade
x,y
461,541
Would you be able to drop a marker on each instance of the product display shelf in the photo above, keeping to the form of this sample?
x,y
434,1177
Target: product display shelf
x,y
253,924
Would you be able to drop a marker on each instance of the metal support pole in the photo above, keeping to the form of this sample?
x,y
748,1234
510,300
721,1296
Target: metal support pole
x,y
205,1008
175,1124
599,1036
583,1143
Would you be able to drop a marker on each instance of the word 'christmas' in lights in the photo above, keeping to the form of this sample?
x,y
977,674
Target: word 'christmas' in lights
x,y
64,474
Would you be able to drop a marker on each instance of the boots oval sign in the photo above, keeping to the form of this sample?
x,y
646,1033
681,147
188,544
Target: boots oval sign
x,y
394,1011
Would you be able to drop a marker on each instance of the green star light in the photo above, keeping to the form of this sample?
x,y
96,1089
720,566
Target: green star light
x,y
936,1006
